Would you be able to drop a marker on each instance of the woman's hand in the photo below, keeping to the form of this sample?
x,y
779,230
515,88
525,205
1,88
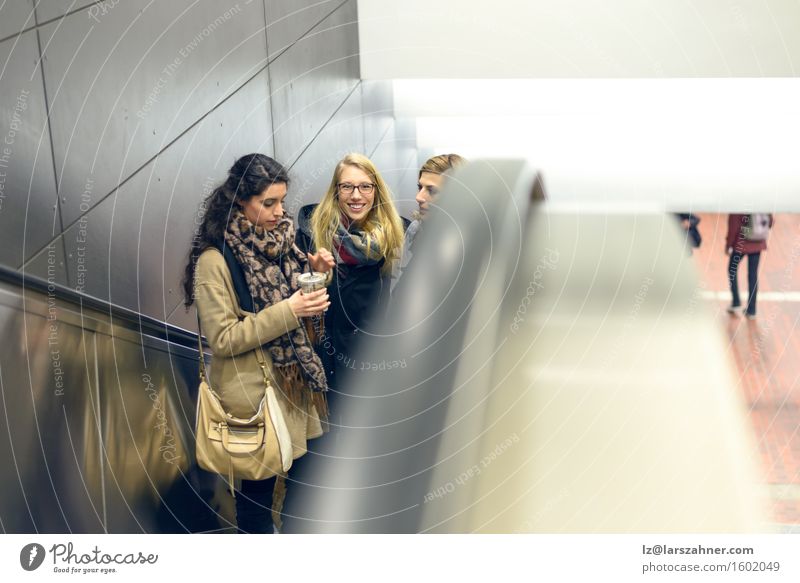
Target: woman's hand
x,y
304,305
321,261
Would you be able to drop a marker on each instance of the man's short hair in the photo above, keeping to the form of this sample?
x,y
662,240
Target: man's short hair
x,y
442,164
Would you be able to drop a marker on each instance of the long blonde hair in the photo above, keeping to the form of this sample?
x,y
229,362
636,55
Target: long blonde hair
x,y
382,222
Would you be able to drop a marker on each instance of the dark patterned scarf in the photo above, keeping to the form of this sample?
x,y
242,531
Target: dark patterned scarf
x,y
272,263
351,249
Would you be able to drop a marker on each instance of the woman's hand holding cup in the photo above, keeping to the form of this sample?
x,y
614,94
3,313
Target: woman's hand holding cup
x,y
309,304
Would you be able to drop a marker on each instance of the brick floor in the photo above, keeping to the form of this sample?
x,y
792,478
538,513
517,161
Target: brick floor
x,y
765,350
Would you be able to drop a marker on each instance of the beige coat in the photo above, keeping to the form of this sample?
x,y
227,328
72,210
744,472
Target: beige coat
x,y
233,336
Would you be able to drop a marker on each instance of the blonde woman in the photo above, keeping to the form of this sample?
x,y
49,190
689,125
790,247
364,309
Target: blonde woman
x,y
359,223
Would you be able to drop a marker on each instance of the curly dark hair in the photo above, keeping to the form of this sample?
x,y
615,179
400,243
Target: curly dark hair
x,y
248,177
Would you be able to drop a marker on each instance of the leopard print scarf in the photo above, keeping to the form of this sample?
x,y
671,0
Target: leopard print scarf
x,y
272,263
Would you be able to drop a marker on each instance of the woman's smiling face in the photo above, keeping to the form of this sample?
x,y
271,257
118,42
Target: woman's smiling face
x,y
266,209
356,205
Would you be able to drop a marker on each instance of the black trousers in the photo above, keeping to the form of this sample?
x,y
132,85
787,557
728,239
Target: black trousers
x,y
752,279
254,506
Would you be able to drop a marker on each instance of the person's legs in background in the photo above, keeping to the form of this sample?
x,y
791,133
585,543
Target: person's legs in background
x,y
733,267
752,282
254,506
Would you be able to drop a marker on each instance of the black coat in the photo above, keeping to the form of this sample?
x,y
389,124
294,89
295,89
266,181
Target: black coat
x,y
693,237
358,299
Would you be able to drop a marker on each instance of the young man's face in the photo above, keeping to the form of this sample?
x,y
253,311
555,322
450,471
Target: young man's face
x,y
428,187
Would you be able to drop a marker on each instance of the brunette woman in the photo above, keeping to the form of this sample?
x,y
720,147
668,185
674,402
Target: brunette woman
x,y
242,272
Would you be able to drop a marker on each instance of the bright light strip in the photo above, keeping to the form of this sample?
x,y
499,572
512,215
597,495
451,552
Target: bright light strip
x,y
711,143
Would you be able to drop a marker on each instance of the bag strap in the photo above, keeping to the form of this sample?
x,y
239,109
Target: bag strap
x,y
240,286
262,362
204,378
200,355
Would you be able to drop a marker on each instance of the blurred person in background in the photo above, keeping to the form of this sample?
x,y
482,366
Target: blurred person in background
x,y
689,222
747,235
430,182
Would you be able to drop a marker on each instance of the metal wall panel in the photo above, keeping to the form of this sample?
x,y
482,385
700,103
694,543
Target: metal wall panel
x,y
124,88
15,17
136,242
49,264
28,211
313,170
405,190
290,20
405,180
406,130
183,319
50,9
311,80
387,157
50,448
395,157
378,112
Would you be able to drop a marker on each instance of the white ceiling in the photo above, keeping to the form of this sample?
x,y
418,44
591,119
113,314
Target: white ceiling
x,y
701,144
668,102
504,39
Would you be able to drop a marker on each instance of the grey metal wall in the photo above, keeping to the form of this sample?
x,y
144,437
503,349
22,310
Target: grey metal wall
x,y
116,120
123,116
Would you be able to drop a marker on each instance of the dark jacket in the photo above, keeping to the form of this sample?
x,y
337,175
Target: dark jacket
x,y
358,298
736,239
693,237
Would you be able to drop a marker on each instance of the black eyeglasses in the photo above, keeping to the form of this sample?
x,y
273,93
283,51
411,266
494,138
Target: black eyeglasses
x,y
363,188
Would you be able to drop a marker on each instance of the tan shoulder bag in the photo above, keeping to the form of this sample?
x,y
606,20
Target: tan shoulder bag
x,y
252,449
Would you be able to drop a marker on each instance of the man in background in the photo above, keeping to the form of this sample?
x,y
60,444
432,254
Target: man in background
x,y
430,182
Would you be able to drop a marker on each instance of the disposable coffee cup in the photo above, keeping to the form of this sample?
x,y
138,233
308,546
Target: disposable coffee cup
x,y
310,282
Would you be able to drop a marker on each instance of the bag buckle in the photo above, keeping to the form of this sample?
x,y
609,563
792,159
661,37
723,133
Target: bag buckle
x,y
264,372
